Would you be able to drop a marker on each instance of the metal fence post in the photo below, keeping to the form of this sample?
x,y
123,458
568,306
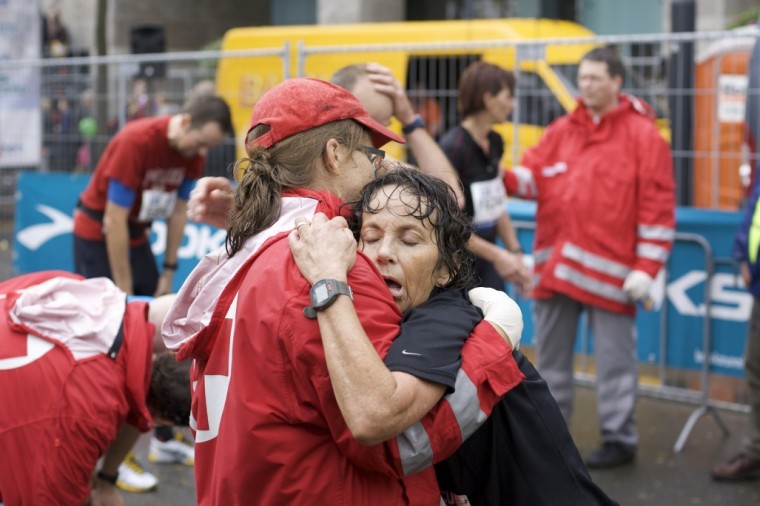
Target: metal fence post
x,y
301,59
704,406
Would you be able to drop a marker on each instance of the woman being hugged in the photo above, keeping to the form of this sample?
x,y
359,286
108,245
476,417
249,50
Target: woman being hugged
x,y
411,228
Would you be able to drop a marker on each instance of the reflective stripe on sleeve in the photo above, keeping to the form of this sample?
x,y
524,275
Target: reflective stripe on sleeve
x,y
595,262
656,233
465,403
652,252
542,255
590,285
414,445
414,449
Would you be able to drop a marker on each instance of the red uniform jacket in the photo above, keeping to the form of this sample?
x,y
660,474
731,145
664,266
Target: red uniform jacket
x,y
63,398
606,204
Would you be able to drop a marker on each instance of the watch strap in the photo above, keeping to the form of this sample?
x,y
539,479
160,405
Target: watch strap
x,y
334,289
418,122
108,478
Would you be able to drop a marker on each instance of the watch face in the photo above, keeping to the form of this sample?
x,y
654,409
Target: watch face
x,y
320,292
323,294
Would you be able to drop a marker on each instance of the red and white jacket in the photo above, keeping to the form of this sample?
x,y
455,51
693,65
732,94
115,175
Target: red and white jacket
x,y
267,426
63,396
606,203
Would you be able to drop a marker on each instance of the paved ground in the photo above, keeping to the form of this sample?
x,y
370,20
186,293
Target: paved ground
x,y
659,477
176,482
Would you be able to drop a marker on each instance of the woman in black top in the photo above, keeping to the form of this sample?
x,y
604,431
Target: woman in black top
x,y
475,150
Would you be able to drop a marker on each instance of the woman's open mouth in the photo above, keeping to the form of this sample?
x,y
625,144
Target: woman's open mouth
x,y
394,286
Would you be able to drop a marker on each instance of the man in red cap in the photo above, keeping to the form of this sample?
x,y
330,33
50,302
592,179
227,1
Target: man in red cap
x,y
267,425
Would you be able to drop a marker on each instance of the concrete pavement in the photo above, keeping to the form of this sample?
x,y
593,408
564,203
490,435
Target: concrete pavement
x,y
659,476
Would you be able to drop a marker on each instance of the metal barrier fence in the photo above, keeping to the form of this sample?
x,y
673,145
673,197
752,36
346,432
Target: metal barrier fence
x,y
70,89
657,385
704,120
84,101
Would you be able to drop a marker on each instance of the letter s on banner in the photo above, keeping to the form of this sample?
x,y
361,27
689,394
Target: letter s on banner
x,y
729,300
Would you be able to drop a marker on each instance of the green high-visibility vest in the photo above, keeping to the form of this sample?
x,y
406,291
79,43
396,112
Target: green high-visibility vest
x,y
753,238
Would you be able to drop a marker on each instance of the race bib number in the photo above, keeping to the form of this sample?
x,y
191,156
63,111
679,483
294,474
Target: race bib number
x,y
487,201
156,204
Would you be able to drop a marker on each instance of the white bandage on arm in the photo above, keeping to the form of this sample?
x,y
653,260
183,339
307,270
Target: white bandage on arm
x,y
500,310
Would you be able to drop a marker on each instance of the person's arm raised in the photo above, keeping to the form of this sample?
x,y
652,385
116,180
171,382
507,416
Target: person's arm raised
x,y
429,156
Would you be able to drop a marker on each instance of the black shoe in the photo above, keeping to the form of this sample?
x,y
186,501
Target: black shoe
x,y
611,454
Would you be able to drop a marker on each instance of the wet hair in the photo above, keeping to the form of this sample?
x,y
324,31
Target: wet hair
x,y
169,391
347,76
610,56
478,79
206,108
436,204
267,172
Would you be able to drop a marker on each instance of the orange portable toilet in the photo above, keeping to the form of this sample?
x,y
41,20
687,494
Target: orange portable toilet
x,y
721,80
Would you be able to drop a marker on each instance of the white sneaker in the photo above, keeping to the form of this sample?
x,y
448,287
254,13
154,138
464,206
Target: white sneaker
x,y
178,450
133,477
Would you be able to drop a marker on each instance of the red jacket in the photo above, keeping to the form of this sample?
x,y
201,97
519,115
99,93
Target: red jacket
x,y
268,428
63,398
606,204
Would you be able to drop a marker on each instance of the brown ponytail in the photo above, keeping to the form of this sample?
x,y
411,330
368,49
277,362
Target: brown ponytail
x,y
267,172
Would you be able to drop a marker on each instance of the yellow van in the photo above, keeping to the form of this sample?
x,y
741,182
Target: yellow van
x,y
546,78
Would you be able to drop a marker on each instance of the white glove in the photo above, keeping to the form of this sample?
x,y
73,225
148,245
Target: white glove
x,y
637,285
500,310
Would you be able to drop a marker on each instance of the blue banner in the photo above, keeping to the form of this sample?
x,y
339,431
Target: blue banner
x,y
679,292
42,240
44,222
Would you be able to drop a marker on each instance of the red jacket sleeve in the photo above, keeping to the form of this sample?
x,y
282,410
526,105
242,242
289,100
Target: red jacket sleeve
x,y
525,182
656,203
138,353
488,372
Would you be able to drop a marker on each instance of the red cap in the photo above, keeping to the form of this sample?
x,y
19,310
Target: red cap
x,y
300,104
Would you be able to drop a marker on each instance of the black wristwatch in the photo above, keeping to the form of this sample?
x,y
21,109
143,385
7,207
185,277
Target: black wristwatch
x,y
324,293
